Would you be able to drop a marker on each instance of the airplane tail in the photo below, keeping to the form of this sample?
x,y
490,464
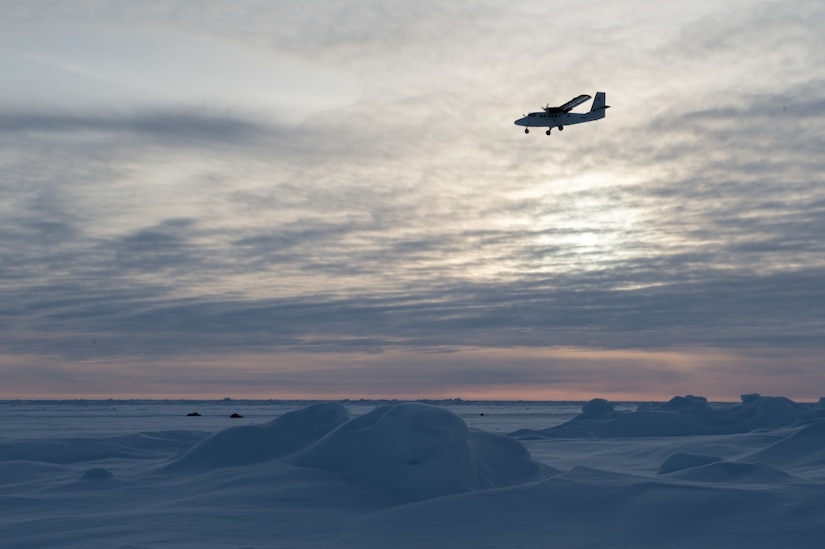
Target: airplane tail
x,y
597,110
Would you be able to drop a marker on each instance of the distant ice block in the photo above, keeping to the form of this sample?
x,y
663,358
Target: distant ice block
x,y
681,416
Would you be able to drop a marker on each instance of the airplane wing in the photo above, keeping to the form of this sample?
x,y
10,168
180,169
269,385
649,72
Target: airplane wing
x,y
567,107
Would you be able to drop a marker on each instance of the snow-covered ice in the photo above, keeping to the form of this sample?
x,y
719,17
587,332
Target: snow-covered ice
x,y
683,473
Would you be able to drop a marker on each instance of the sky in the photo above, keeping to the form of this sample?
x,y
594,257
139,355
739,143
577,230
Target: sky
x,y
328,199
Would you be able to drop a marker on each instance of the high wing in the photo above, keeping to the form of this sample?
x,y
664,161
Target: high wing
x,y
567,107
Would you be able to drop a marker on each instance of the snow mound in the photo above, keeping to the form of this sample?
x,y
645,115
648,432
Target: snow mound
x,y
805,448
598,408
685,460
418,451
248,444
685,404
681,416
96,478
98,474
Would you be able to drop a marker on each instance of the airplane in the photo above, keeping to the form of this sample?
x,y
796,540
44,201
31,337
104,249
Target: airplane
x,y
559,117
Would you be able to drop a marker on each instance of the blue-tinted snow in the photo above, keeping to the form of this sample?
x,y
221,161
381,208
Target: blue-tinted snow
x,y
683,473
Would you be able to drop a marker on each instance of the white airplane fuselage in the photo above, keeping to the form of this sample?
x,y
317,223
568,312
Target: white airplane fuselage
x,y
551,120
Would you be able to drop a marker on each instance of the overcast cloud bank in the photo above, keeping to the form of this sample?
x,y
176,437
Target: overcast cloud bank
x,y
410,215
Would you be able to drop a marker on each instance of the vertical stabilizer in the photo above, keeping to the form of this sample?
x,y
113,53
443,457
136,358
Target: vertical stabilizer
x,y
599,105
600,102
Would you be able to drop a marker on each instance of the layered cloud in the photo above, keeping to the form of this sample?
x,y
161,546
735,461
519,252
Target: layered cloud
x,y
414,215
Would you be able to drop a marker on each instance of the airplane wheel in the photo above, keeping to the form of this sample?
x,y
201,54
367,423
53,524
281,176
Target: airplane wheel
x,y
526,130
547,132
561,128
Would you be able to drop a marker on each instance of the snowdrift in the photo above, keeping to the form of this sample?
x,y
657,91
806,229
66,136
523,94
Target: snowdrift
x,y
410,450
420,451
247,444
684,473
804,448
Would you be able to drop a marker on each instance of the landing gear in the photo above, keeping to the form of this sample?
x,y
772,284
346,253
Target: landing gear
x,y
561,128
526,130
547,132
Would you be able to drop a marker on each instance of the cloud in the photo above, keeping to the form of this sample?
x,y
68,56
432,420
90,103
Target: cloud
x,y
167,127
417,216
75,65
514,373
713,308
